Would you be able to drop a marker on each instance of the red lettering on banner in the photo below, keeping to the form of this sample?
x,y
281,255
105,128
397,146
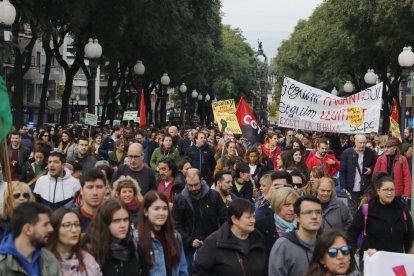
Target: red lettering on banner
x,y
326,127
290,122
339,115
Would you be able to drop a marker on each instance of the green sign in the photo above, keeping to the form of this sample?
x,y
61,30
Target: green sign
x,y
91,119
136,120
129,115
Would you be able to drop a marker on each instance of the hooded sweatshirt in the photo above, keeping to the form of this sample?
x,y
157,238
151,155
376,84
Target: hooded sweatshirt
x,y
32,268
56,192
289,256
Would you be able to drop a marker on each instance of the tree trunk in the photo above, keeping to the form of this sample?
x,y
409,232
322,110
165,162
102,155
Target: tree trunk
x,y
45,84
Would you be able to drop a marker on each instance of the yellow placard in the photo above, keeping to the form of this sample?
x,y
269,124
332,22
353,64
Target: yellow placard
x,y
355,116
395,128
225,116
226,106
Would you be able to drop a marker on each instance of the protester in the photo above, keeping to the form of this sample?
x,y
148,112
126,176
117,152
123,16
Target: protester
x,y
161,244
333,255
291,253
257,169
64,243
13,196
116,157
314,175
183,165
168,170
298,162
271,149
263,158
298,180
128,191
108,144
262,201
166,149
58,186
385,224
83,156
66,145
224,185
22,252
111,241
32,171
222,161
336,214
17,154
321,158
243,186
234,249
284,160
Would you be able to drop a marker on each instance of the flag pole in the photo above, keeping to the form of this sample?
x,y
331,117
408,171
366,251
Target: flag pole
x,y
6,168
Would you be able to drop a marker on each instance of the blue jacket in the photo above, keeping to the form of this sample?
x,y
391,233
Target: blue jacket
x,y
108,144
159,260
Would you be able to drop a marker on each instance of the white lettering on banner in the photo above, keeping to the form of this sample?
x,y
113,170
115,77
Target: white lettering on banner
x,y
305,107
248,120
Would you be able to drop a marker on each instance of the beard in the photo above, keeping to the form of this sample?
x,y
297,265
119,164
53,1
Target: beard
x,y
38,241
224,192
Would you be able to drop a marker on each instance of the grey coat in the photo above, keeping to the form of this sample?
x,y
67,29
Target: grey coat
x,y
337,215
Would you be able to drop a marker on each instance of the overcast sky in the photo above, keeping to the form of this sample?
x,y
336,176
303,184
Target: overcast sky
x,y
269,21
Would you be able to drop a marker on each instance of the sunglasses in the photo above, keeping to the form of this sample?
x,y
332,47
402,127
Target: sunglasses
x,y
18,195
333,252
299,185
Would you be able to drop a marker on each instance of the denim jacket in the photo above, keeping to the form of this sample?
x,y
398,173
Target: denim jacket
x,y
159,261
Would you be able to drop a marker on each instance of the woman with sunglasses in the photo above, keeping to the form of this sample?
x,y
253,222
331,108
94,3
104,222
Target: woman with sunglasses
x,y
384,222
162,245
64,243
332,256
13,196
336,214
112,242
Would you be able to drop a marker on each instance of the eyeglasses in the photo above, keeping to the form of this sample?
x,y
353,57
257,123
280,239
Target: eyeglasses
x,y
333,252
311,212
388,190
68,225
135,156
18,195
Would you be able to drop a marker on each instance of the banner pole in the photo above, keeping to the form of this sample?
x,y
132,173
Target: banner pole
x,y
6,169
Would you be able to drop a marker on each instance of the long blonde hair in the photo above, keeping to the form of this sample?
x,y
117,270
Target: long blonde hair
x,y
127,182
8,200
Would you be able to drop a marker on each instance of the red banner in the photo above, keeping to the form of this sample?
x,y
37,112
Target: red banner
x,y
248,124
142,115
394,113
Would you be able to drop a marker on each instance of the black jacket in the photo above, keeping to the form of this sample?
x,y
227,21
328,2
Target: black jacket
x,y
136,266
386,229
267,227
349,160
197,222
28,173
245,192
203,159
221,254
24,154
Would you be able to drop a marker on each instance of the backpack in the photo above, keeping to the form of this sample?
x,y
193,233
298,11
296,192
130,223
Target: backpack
x,y
363,235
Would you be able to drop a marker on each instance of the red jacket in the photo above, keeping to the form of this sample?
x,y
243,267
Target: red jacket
x,y
402,175
166,190
315,161
272,154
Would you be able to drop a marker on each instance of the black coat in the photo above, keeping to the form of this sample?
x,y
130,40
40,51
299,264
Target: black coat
x,y
221,254
267,227
203,159
349,160
245,192
386,228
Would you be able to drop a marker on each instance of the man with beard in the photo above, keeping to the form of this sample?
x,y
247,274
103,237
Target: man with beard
x,y
21,251
224,185
166,183
322,158
82,155
198,211
18,155
57,187
108,144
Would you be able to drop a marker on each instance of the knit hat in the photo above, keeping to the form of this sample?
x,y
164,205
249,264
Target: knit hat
x,y
391,143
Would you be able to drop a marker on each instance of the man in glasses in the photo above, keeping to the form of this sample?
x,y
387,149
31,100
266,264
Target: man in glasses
x,y
137,169
291,253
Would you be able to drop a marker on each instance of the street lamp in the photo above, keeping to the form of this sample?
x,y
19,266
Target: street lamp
x,y
7,16
183,90
165,81
406,61
207,109
334,92
93,51
194,95
370,77
348,87
139,70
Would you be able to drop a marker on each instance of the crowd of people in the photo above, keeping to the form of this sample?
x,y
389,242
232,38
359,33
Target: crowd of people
x,y
127,200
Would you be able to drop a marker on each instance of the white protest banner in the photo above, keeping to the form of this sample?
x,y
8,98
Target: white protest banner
x,y
91,119
129,115
305,107
388,264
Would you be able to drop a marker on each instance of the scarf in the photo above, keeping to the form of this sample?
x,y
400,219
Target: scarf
x,y
284,225
63,147
122,250
133,205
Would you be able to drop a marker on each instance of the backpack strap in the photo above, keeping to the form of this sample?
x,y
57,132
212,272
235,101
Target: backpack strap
x,y
365,212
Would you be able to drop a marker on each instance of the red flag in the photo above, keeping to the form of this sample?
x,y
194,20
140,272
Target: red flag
x,y
142,115
394,113
248,124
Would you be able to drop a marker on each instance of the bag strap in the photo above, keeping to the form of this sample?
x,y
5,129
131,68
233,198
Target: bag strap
x,y
34,179
365,212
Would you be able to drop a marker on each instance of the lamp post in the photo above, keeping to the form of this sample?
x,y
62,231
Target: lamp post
x,y
370,77
183,91
334,92
93,51
406,61
165,81
348,87
201,107
7,16
207,110
194,96
139,70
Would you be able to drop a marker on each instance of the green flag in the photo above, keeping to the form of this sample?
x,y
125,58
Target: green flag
x,y
6,120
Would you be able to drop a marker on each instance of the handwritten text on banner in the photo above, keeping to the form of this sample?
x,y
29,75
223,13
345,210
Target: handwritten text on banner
x,y
305,107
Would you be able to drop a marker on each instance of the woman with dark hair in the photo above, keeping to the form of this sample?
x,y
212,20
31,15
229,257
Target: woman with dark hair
x,y
112,243
228,152
332,255
270,147
32,171
161,244
284,160
166,149
236,248
298,162
183,165
263,158
66,145
64,243
44,136
75,133
315,174
257,169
